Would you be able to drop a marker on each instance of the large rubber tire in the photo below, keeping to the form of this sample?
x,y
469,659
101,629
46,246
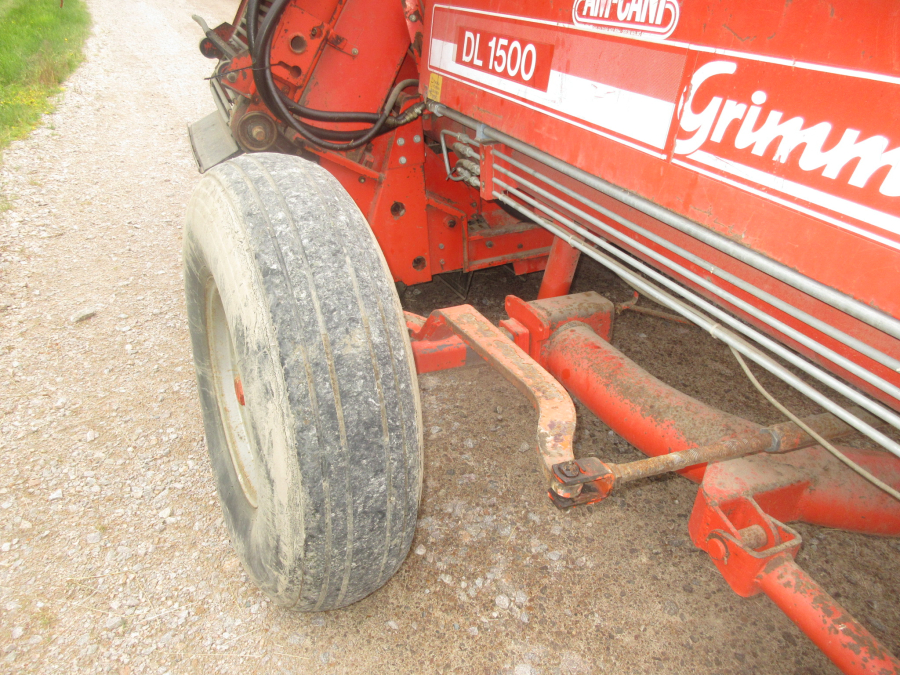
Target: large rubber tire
x,y
290,300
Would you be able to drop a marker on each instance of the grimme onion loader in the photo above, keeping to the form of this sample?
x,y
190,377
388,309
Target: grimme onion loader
x,y
736,163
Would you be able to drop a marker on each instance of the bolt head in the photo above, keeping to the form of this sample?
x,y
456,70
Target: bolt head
x,y
231,77
258,132
570,469
716,549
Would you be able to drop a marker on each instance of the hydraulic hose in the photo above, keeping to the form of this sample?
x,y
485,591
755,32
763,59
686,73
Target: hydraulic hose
x,y
278,103
260,46
252,16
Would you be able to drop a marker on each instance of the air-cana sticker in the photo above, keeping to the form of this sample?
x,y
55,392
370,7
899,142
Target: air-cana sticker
x,y
651,18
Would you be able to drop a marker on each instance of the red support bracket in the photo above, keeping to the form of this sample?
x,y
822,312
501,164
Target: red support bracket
x,y
542,317
556,412
742,507
436,349
737,520
560,270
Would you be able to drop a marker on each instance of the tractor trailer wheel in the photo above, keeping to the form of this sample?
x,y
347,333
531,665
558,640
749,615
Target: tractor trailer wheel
x,y
306,380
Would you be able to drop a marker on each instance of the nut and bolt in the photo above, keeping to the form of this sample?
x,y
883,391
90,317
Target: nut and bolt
x,y
231,77
258,132
717,549
354,51
570,469
413,17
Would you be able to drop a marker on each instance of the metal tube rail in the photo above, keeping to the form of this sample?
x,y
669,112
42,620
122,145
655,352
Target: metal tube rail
x,y
889,416
841,637
875,318
717,331
793,333
848,340
777,438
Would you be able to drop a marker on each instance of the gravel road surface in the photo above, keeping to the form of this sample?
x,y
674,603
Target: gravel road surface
x,y
113,555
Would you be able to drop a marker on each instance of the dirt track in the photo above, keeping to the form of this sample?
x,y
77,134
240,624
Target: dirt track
x,y
113,557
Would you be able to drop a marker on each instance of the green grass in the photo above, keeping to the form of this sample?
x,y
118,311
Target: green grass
x,y
40,45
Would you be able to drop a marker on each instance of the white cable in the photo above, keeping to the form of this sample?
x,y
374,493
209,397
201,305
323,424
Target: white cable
x,y
821,441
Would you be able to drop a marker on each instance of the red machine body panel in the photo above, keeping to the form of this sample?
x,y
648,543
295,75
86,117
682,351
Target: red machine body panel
x,y
773,124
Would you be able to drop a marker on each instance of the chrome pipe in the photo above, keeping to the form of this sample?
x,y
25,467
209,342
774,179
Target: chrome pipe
x,y
859,310
813,345
715,329
809,320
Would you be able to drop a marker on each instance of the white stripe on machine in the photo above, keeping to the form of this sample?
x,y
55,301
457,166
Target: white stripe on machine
x,y
636,116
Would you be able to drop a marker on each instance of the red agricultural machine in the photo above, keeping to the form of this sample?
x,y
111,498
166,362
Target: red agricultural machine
x,y
737,163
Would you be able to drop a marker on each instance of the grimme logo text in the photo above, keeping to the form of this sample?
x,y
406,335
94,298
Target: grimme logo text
x,y
759,128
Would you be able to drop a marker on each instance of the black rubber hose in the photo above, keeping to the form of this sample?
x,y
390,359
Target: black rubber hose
x,y
252,16
276,100
256,49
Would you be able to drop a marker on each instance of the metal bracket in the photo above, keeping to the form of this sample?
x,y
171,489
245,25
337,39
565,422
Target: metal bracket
x,y
556,412
594,476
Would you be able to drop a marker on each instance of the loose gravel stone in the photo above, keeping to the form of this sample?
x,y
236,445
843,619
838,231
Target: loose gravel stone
x,y
113,622
83,315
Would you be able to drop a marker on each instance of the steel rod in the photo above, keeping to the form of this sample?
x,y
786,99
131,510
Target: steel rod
x,y
813,345
790,356
782,437
821,326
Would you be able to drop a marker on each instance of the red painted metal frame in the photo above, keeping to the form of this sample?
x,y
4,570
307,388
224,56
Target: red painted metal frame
x,y
686,95
560,270
837,229
424,223
694,90
742,506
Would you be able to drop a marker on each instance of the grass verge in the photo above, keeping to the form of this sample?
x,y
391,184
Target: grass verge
x,y
40,45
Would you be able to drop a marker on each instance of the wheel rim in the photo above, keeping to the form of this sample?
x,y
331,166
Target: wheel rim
x,y
229,391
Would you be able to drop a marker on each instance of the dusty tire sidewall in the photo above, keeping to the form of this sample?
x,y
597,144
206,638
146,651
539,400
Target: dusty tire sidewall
x,y
217,251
